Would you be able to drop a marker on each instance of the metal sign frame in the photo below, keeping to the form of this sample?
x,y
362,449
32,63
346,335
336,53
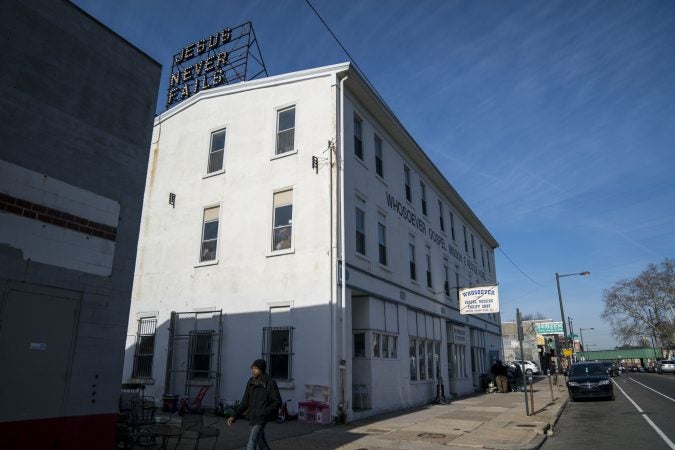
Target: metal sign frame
x,y
229,56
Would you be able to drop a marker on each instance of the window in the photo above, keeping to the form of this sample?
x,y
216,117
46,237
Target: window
x,y
283,220
473,247
466,243
424,359
199,354
482,255
359,345
210,234
393,345
376,345
411,251
452,225
378,157
382,241
423,195
145,348
413,359
457,285
358,142
441,222
408,191
428,256
360,232
285,130
446,282
488,260
216,151
277,351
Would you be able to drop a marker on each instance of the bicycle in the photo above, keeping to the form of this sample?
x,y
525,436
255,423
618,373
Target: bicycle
x,y
284,415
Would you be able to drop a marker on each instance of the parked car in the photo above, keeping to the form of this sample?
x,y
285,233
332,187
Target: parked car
x,y
622,368
665,366
588,380
651,368
611,368
528,367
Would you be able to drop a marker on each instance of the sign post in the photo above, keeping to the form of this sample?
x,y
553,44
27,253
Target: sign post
x,y
519,326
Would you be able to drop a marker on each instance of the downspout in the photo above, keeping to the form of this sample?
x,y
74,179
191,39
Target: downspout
x,y
341,245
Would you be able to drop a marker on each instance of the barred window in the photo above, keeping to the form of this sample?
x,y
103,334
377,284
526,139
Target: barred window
x,y
278,352
199,354
145,348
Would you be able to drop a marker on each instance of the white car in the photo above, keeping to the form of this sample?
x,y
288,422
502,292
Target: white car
x,y
529,366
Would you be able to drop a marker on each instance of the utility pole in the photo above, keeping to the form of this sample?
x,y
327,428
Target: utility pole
x,y
519,328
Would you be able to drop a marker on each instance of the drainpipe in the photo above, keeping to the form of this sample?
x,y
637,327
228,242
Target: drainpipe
x,y
341,193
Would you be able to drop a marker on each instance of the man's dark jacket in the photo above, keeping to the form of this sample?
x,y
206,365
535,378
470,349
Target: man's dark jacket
x,y
261,400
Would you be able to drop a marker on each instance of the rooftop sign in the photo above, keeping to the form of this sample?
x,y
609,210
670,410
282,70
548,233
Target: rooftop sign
x,y
228,56
549,327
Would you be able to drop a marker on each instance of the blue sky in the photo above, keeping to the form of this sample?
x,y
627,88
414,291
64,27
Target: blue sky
x,y
554,120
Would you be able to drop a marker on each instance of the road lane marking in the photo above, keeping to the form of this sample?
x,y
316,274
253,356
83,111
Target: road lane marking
x,y
662,395
649,421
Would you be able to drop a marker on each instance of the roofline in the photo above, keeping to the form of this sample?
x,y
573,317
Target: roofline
x,y
360,85
362,89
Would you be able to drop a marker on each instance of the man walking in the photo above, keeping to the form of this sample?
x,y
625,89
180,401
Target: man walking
x,y
261,402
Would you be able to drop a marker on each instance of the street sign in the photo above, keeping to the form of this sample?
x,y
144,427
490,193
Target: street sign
x,y
567,352
572,336
549,327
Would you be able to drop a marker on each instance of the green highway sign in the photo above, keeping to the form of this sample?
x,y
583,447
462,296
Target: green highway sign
x,y
549,327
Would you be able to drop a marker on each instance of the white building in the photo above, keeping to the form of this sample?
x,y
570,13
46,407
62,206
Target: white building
x,y
265,241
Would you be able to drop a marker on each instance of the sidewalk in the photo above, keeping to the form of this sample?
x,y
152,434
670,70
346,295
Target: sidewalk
x,y
495,421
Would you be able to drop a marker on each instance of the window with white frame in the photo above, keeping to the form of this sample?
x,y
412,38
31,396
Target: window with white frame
x,y
428,258
285,130
199,354
382,240
358,141
425,359
278,352
360,231
411,255
384,345
145,347
282,229
216,151
210,234
423,197
379,169
452,225
441,221
408,189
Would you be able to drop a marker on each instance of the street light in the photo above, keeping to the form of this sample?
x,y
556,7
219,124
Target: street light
x,y
562,311
581,336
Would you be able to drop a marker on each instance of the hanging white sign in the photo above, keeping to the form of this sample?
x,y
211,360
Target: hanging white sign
x,y
479,300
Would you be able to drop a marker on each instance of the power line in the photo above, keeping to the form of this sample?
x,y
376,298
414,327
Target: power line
x,y
519,269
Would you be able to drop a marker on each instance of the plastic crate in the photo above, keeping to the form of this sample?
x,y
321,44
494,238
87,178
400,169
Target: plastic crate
x,y
314,412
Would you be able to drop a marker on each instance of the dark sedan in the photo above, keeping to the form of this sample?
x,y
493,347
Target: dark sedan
x,y
589,379
612,369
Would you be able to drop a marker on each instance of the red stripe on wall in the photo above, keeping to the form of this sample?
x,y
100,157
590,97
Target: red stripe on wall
x,y
62,433
25,208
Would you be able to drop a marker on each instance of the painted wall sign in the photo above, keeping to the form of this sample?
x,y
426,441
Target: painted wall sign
x,y
479,300
436,237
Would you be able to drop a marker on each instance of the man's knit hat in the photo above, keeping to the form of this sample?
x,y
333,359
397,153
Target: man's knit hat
x,y
260,364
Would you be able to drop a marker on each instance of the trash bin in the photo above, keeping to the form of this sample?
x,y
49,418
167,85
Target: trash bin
x,y
169,403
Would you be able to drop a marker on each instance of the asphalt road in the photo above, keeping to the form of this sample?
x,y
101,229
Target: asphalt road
x,y
601,424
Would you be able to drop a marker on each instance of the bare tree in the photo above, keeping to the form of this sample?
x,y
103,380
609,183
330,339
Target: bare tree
x,y
644,307
534,316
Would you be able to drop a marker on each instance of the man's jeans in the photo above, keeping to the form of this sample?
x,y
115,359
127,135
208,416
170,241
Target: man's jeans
x,y
256,439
